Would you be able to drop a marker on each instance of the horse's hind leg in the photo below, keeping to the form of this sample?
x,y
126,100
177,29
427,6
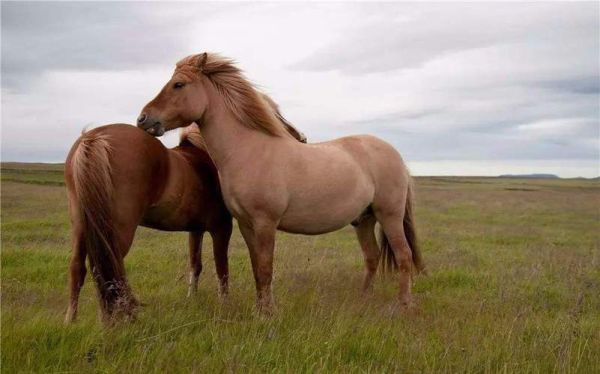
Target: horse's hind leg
x,y
365,230
195,240
220,248
77,272
393,229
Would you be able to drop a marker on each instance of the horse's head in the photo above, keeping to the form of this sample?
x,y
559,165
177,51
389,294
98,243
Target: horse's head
x,y
203,78
181,101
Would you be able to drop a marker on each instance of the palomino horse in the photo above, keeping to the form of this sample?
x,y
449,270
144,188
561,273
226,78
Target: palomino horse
x,y
119,177
271,182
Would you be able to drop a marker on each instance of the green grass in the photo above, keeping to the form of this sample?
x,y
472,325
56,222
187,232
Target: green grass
x,y
513,287
44,174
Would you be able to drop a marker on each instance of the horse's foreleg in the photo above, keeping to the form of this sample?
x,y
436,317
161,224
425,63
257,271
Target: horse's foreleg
x,y
220,247
365,231
77,272
195,241
260,238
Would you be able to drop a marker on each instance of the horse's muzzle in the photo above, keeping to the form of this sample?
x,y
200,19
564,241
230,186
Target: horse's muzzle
x,y
156,130
151,126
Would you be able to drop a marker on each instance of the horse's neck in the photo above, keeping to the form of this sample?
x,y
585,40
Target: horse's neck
x,y
229,141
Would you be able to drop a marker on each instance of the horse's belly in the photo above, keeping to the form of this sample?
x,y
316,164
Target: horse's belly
x,y
170,218
323,218
327,202
299,227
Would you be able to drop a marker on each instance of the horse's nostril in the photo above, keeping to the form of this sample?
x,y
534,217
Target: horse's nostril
x,y
142,118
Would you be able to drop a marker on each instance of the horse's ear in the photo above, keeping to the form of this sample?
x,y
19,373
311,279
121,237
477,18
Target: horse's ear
x,y
202,60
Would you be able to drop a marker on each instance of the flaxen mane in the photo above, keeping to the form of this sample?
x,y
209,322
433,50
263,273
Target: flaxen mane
x,y
192,132
291,129
245,102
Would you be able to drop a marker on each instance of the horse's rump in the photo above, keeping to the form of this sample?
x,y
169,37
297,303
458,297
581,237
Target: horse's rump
x,y
90,181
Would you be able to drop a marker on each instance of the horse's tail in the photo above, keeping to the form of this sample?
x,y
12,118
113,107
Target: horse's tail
x,y
388,259
92,181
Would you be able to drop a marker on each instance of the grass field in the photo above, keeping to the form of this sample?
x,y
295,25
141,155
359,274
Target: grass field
x,y
514,286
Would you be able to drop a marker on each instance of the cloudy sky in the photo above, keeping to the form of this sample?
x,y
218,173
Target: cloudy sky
x,y
457,88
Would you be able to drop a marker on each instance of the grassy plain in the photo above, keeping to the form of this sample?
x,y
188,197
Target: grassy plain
x,y
514,286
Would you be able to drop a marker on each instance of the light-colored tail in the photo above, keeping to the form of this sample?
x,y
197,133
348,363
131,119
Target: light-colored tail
x,y
91,171
388,260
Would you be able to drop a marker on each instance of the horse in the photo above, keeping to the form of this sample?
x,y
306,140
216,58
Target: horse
x,y
270,182
119,177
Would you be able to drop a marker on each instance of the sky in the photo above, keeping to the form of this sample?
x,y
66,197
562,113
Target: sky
x,y
457,88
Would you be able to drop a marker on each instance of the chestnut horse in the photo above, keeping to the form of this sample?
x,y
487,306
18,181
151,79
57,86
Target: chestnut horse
x,y
271,182
119,177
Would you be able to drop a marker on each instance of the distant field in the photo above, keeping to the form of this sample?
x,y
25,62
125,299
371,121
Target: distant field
x,y
44,174
514,286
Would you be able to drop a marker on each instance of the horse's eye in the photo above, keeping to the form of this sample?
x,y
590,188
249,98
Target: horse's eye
x,y
178,85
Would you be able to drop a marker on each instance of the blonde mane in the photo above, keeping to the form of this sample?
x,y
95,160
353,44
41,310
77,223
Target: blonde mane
x,y
240,96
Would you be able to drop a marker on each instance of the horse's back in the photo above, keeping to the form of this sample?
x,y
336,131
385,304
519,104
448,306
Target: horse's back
x,y
124,141
368,148
125,144
356,156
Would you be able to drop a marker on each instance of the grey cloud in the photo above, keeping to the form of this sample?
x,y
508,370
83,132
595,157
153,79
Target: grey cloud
x,y
452,145
408,35
393,119
43,36
37,154
589,85
539,126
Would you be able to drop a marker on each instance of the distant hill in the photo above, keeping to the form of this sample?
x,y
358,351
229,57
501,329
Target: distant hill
x,y
530,176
